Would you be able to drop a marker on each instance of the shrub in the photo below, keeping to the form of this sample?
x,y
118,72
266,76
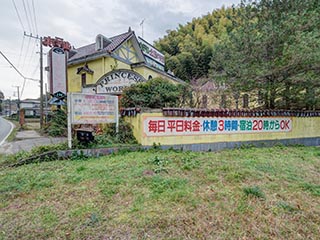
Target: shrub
x,y
155,93
110,136
57,124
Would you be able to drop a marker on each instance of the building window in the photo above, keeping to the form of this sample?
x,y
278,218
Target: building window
x,y
83,79
150,77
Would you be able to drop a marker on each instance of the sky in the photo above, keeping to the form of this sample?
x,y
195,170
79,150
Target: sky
x,y
79,22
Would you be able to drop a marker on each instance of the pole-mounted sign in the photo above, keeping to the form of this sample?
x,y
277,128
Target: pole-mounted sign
x,y
91,109
56,42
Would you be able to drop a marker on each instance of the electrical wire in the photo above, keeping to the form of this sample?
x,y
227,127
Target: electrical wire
x,y
32,55
26,13
31,18
21,49
24,60
15,7
34,16
12,65
36,69
23,85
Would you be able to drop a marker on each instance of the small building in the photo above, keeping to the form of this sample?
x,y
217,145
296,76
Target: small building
x,y
109,64
31,107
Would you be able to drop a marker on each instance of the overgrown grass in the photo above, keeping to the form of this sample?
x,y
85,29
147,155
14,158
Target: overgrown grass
x,y
268,193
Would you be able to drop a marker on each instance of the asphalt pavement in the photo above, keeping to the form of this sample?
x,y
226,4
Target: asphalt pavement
x,y
5,129
25,140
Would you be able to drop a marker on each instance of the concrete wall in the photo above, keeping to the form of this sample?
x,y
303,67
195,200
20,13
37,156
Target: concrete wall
x,y
302,130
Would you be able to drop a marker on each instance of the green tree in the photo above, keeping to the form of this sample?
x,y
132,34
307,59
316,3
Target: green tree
x,y
155,93
188,49
274,48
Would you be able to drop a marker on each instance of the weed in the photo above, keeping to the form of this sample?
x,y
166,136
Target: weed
x,y
93,220
236,176
78,156
190,162
156,147
160,163
286,206
81,168
247,146
314,189
254,191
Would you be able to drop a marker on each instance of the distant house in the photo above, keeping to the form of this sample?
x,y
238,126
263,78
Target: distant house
x,y
1,99
31,107
9,107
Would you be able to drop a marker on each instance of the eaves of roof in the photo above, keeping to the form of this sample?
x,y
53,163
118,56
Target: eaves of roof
x,y
86,53
87,58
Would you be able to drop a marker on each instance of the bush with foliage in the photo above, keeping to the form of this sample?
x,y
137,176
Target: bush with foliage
x,y
155,93
57,124
110,136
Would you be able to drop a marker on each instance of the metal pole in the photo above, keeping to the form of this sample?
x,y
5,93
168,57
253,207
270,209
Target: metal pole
x,y
46,111
18,104
69,120
117,116
10,107
41,85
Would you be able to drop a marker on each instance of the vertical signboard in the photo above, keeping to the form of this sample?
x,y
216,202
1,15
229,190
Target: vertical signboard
x,y
57,70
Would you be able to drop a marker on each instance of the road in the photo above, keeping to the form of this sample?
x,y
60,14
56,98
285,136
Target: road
x,y
5,129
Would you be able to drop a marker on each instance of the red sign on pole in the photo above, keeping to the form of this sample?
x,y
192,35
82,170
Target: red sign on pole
x,y
56,42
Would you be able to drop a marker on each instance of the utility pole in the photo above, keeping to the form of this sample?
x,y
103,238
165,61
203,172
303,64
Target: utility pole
x,y
9,106
41,76
141,24
41,85
46,88
18,91
18,103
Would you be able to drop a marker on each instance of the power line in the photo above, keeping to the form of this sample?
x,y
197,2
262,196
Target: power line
x,y
25,11
20,54
35,70
35,19
24,60
32,55
31,19
12,65
23,85
15,7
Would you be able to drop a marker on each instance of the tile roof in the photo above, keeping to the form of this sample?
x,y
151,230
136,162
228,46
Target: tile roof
x,y
90,49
